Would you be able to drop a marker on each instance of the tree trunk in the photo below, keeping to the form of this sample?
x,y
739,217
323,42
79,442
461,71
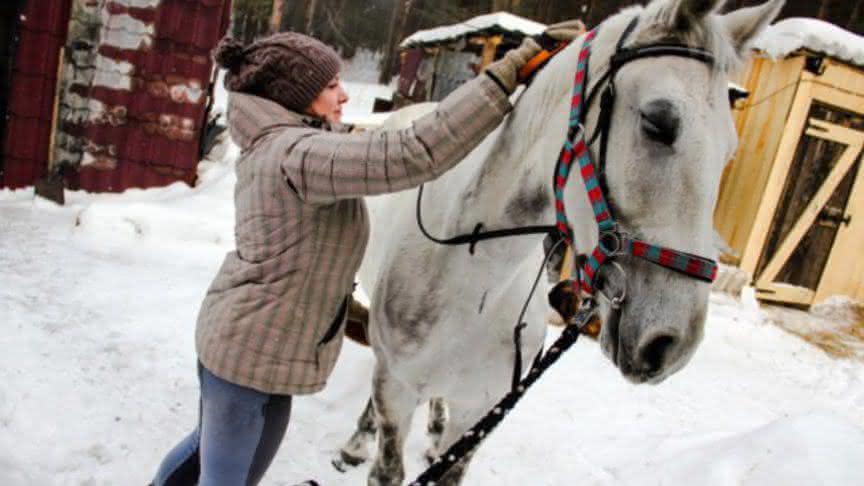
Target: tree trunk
x,y
588,10
276,16
397,30
854,18
501,5
311,7
824,7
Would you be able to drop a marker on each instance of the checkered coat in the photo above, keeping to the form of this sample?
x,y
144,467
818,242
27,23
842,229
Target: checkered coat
x,y
272,318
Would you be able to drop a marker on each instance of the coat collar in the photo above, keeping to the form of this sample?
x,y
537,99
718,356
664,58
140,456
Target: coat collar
x,y
250,117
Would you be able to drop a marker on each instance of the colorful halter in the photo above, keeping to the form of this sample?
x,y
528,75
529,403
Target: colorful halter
x,y
612,242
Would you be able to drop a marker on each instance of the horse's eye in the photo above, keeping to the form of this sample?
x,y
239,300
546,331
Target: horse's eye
x,y
661,121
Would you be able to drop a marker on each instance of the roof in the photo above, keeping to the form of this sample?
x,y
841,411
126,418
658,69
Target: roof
x,y
791,35
494,22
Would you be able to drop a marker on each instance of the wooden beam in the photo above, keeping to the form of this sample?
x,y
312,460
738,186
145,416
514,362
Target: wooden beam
x,y
833,96
844,270
854,140
55,112
780,166
773,87
788,294
566,267
490,48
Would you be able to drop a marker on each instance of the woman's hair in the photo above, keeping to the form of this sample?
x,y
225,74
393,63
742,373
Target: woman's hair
x,y
288,68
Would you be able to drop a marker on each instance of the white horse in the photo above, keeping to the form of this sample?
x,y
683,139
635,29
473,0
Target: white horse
x,y
441,319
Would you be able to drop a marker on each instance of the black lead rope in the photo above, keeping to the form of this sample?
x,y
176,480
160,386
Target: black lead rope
x,y
470,439
521,324
478,234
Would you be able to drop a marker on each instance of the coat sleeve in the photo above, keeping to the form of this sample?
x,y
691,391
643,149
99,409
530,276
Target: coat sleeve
x,y
323,167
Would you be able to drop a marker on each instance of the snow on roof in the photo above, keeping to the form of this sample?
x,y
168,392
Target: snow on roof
x,y
500,20
787,36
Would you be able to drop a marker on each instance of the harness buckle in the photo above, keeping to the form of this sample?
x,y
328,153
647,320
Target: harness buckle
x,y
612,242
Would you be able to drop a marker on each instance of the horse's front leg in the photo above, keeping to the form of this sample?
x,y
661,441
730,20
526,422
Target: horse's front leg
x,y
394,405
435,427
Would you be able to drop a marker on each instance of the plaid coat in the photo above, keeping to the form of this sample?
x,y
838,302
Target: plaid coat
x,y
272,318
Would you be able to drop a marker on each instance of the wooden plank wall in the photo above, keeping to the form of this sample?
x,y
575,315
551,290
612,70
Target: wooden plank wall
x,y
773,86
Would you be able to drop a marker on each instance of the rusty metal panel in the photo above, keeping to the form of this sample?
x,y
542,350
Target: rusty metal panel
x,y
137,78
41,30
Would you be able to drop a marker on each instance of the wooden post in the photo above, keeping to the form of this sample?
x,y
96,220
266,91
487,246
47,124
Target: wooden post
x,y
490,47
779,171
51,186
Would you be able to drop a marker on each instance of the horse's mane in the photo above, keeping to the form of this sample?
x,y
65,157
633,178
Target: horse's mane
x,y
709,33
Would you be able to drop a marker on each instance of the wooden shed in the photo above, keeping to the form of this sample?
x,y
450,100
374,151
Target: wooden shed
x,y
791,203
436,61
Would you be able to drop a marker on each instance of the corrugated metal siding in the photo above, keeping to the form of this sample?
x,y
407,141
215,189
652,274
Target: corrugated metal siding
x,y
42,31
136,94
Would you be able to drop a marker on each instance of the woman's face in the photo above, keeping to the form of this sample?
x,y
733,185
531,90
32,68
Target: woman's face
x,y
328,104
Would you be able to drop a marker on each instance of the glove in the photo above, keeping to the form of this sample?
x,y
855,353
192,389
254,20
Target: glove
x,y
506,70
561,32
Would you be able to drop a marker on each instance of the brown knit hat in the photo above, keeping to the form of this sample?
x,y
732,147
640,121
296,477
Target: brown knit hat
x,y
288,68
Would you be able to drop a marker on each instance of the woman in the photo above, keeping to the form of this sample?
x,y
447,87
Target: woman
x,y
270,326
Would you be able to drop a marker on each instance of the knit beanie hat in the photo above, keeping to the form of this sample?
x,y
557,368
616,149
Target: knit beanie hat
x,y
288,68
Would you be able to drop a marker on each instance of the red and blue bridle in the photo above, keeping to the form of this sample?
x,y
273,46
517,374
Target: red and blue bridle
x,y
612,241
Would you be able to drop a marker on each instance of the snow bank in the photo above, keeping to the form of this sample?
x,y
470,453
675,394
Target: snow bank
x,y
814,448
501,20
364,67
787,36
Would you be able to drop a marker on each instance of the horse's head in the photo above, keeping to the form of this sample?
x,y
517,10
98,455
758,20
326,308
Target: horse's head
x,y
670,136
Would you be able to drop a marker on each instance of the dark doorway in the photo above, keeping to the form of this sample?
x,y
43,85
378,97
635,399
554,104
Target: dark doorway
x,y
9,13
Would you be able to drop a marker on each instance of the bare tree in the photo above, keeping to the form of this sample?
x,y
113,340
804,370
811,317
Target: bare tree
x,y
311,7
395,34
276,16
824,8
501,5
855,18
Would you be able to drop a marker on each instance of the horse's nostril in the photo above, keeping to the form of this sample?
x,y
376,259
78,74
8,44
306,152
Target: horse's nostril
x,y
661,121
653,355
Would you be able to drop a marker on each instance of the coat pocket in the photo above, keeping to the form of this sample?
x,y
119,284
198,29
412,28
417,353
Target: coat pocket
x,y
337,322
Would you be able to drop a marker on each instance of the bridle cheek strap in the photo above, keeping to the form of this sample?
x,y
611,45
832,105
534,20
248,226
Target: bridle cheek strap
x,y
612,242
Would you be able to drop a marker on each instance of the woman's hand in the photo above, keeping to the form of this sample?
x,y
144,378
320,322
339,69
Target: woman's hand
x,y
507,70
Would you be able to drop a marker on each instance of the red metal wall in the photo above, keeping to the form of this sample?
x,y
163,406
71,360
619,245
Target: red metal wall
x,y
42,32
146,132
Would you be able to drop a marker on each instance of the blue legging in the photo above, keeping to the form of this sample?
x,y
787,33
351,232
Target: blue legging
x,y
239,431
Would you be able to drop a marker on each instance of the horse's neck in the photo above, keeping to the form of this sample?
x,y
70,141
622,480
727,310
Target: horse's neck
x,y
513,185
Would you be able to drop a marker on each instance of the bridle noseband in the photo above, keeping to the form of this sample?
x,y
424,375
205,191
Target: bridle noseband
x,y
612,241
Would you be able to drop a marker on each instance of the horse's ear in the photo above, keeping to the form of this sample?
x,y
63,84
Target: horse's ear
x,y
746,23
687,13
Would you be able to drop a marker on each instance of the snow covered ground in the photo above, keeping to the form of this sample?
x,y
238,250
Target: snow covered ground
x,y
97,372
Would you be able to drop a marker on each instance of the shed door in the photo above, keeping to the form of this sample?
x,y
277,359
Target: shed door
x,y
815,205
